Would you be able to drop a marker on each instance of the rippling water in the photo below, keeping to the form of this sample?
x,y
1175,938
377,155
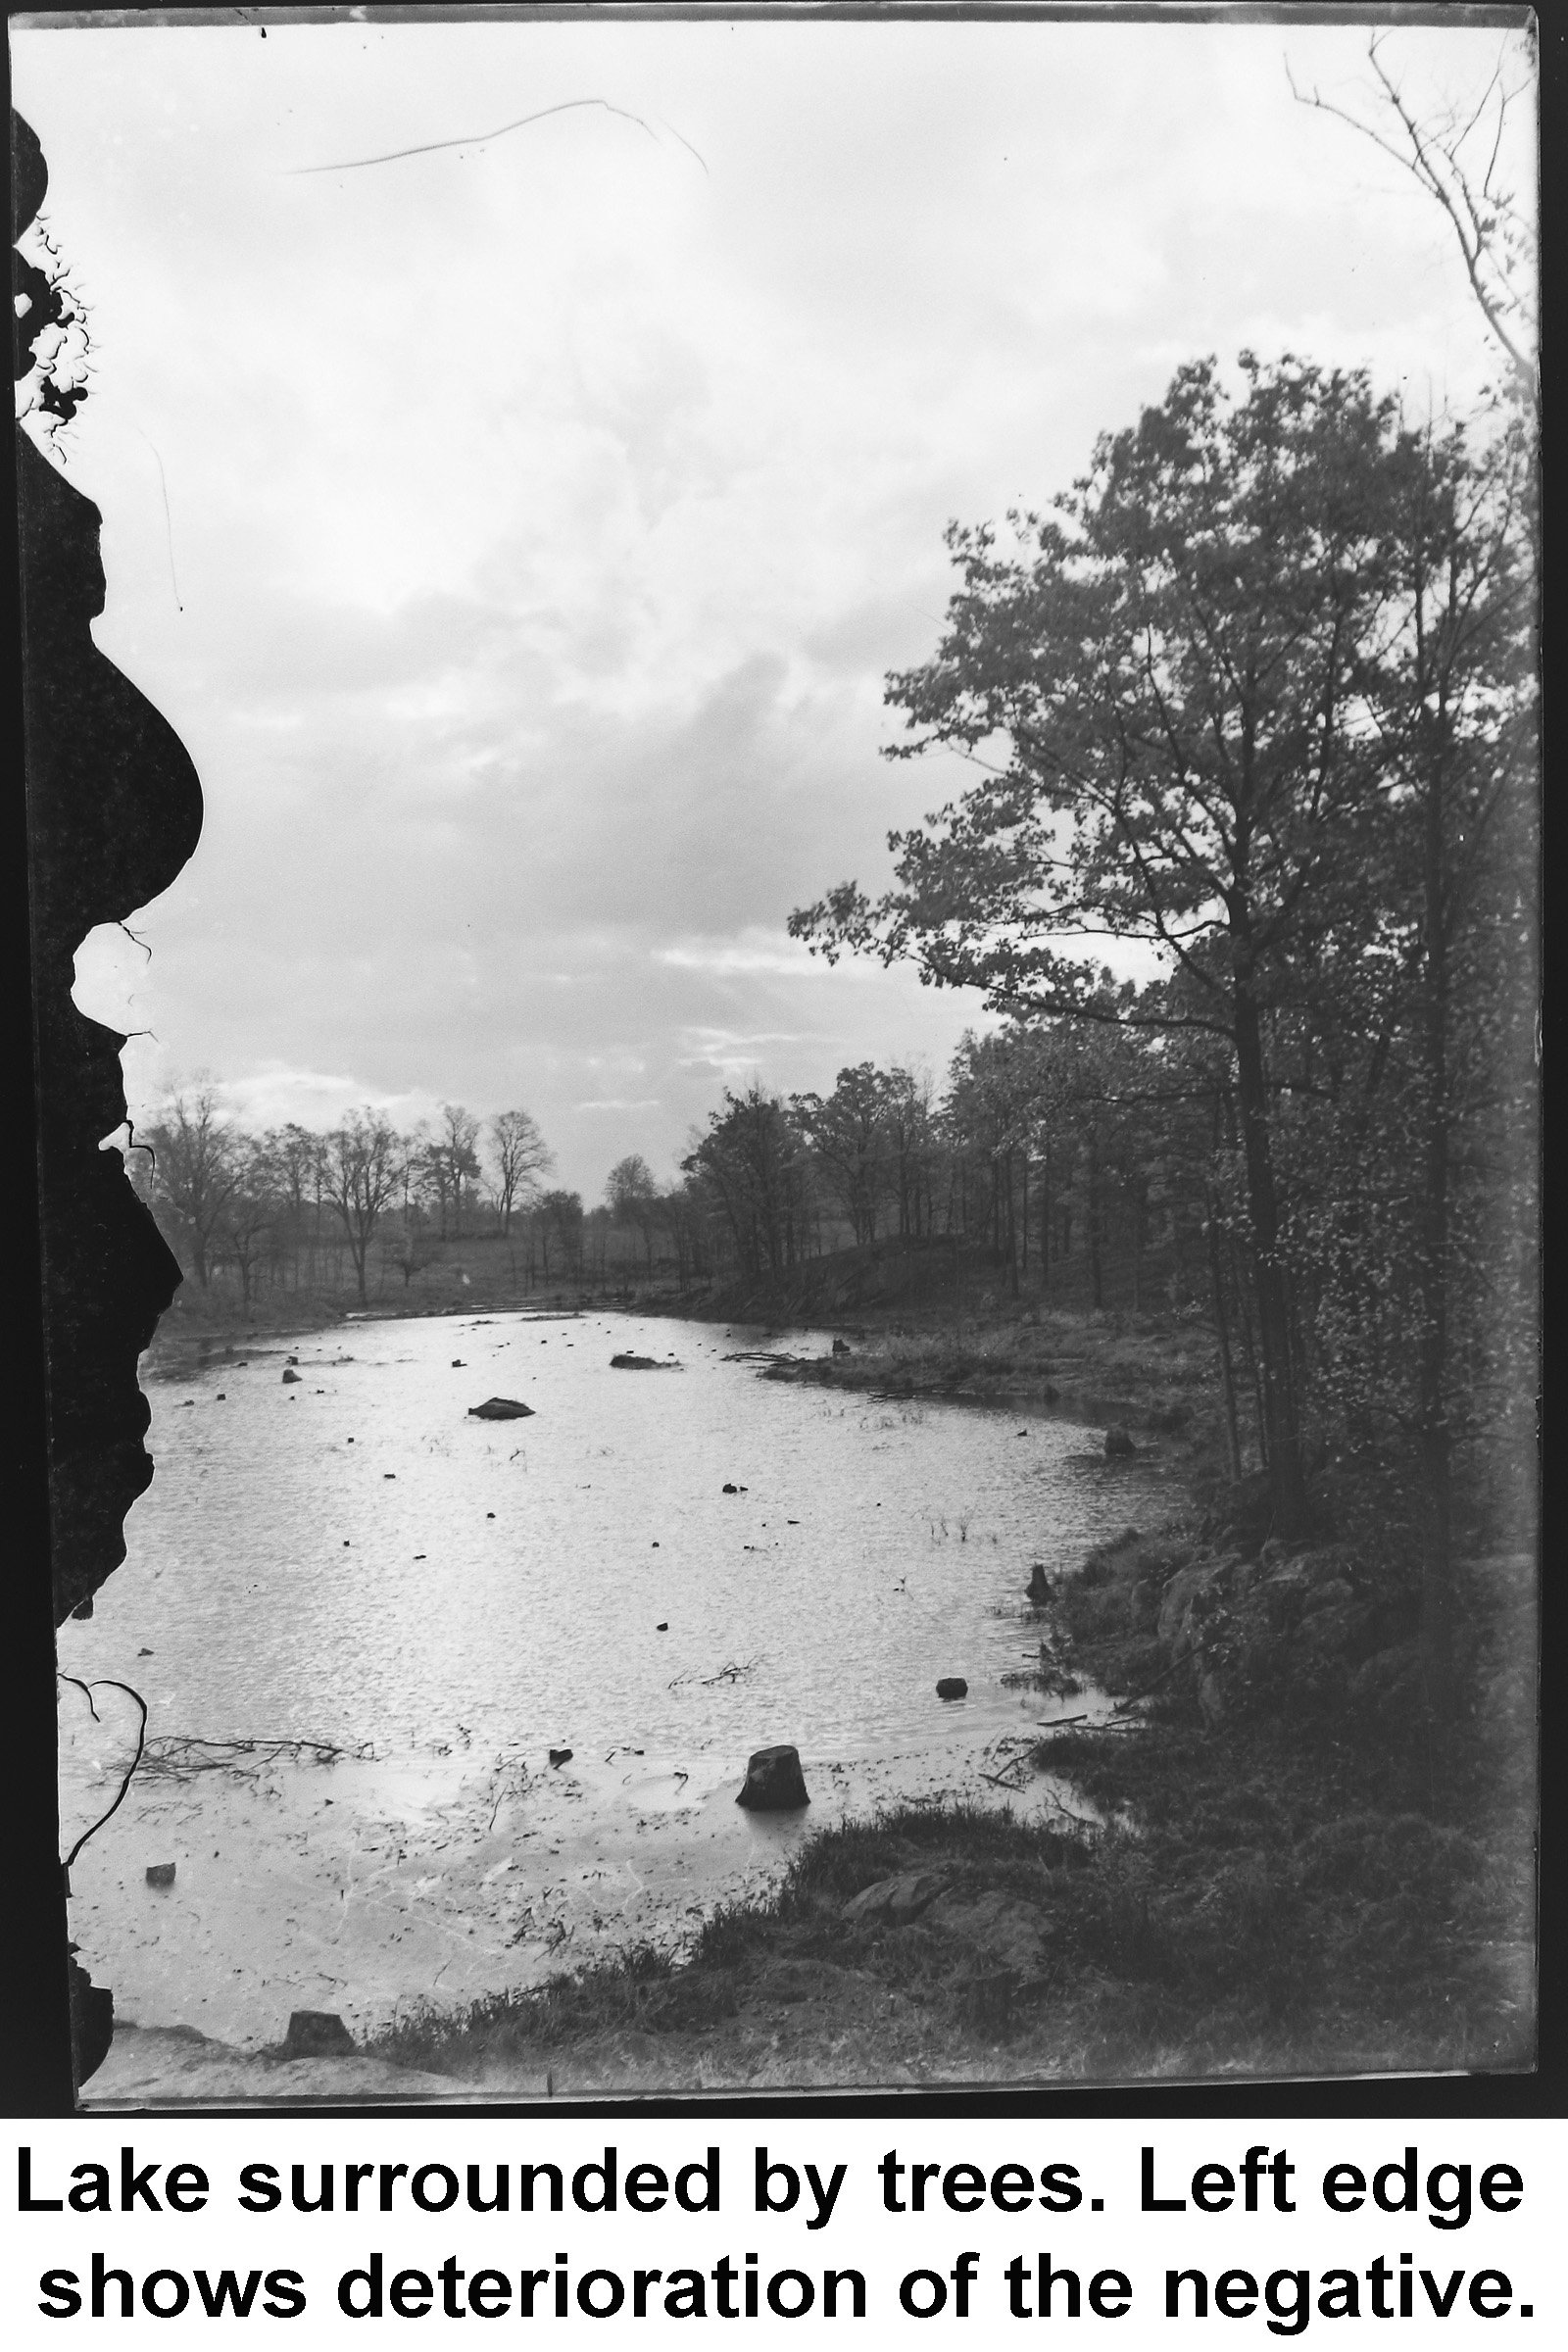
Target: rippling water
x,y
356,1560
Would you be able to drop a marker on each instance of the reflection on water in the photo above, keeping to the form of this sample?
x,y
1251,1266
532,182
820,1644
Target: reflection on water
x,y
352,1559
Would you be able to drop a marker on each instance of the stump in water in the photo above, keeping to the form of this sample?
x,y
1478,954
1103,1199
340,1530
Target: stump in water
x,y
318,2034
775,1782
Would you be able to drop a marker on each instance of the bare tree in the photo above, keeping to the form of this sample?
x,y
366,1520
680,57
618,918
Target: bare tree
x,y
456,1141
364,1160
1454,152
251,1211
520,1156
196,1164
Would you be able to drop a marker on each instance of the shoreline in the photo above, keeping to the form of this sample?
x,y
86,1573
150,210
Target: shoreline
x,y
1290,1885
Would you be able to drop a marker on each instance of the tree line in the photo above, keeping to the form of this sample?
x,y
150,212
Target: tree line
x,y
1029,1153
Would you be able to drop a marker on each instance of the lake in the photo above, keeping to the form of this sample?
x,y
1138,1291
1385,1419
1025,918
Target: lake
x,y
350,1558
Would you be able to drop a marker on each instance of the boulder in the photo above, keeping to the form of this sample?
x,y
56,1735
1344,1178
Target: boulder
x,y
1006,1928
953,1686
500,1408
1118,1441
558,1756
642,1364
318,2034
290,1375
775,1782
895,1902
159,1874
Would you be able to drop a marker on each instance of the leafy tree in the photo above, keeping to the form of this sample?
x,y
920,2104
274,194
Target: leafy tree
x,y
847,1132
753,1162
1165,698
559,1219
632,1198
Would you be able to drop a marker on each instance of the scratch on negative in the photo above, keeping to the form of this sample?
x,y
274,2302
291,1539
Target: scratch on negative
x,y
168,528
483,138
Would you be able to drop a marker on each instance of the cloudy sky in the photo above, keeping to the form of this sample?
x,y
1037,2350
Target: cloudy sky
x,y
517,533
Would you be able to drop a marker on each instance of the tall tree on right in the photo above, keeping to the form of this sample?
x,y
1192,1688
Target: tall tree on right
x,y
1165,695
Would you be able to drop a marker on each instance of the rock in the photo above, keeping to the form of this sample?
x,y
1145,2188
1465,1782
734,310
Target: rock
x,y
1039,1584
83,1608
662,1626
775,1782
317,2034
500,1408
953,1686
560,1757
841,1348
895,1902
92,2022
1118,1441
290,1375
642,1364
457,1364
159,1874
1008,1930
1176,1602
729,1490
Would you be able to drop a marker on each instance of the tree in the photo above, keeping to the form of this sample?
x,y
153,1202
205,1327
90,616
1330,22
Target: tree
x,y
1455,152
196,1169
753,1163
251,1211
632,1198
520,1156
847,1131
364,1172
455,1147
559,1219
1175,679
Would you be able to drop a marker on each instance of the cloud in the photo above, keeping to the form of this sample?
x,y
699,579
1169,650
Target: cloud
x,y
547,518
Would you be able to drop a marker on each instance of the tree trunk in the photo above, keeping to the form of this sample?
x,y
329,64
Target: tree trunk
x,y
1436,1551
1222,1327
1273,1312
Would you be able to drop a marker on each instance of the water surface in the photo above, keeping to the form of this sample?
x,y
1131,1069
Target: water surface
x,y
352,1559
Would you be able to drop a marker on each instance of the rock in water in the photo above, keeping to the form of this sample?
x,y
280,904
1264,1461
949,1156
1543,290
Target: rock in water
x,y
318,2034
1118,1441
641,1363
775,1782
953,1686
289,1374
560,1757
159,1874
500,1408
1039,1584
